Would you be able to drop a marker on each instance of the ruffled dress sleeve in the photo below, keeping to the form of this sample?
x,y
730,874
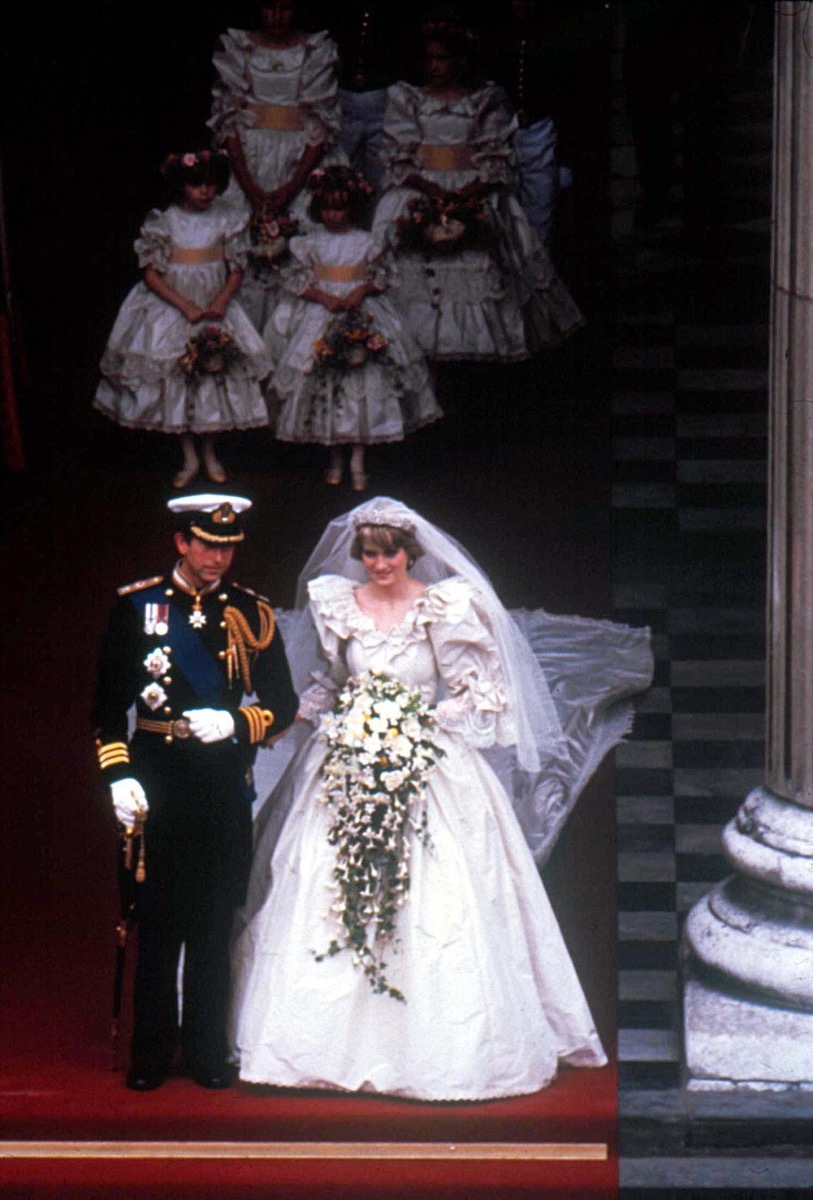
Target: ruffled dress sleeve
x,y
319,90
492,145
299,274
401,135
232,92
153,246
331,600
382,269
236,244
475,706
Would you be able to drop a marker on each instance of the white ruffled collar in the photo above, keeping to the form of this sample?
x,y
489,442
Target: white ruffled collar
x,y
335,598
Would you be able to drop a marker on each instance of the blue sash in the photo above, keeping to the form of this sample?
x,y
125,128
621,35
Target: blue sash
x,y
201,669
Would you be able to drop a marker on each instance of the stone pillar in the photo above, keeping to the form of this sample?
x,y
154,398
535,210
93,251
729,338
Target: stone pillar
x,y
749,1020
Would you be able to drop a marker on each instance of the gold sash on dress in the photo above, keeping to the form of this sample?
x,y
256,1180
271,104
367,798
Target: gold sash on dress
x,y
193,255
437,157
277,116
349,274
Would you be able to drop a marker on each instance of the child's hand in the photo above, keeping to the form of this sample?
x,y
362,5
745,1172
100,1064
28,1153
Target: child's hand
x,y
334,304
216,309
277,200
353,300
192,312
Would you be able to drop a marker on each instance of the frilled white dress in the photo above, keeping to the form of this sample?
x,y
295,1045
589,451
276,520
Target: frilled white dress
x,y
143,385
493,1003
503,302
252,78
379,401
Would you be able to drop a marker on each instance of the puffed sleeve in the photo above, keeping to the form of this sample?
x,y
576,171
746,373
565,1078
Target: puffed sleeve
x,y
401,135
231,93
330,599
299,274
153,246
380,262
319,90
492,143
475,705
235,238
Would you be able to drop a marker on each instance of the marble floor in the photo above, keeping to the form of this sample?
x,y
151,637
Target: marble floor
x,y
689,450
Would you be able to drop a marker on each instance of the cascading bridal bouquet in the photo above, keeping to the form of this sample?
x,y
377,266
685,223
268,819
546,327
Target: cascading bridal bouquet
x,y
210,352
381,749
348,341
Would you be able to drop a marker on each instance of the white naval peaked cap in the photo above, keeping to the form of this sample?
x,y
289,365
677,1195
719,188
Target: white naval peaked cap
x,y
207,502
211,517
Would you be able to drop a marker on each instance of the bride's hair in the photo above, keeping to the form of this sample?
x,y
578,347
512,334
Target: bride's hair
x,y
384,538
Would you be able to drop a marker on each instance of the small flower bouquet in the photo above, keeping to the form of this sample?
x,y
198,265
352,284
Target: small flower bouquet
x,y
443,225
348,341
381,749
270,234
210,352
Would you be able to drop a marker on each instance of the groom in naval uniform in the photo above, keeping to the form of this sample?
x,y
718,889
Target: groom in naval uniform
x,y
205,668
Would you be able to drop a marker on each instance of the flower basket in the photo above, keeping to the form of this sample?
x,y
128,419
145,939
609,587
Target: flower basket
x,y
210,352
270,234
348,343
443,226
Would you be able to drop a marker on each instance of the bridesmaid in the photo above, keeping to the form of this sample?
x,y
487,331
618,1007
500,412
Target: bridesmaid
x,y
478,284
276,110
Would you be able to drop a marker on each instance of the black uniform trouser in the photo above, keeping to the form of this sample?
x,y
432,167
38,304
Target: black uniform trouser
x,y
197,849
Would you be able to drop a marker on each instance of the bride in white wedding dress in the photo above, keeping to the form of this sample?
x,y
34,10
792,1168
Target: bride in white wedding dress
x,y
491,1001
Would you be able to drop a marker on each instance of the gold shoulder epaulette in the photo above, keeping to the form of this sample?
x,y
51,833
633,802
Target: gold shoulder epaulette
x,y
139,586
250,592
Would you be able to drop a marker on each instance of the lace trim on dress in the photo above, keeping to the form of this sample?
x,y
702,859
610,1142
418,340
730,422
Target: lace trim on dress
x,y
334,601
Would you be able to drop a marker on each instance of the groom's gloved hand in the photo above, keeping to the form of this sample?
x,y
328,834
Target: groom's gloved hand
x,y
129,801
210,724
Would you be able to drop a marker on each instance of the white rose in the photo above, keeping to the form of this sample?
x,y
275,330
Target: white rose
x,y
390,711
400,746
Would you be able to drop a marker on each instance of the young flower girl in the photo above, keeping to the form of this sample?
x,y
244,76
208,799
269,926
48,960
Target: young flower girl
x,y
346,370
183,357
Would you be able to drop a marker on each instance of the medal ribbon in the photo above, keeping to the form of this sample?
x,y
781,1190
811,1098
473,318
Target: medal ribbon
x,y
198,665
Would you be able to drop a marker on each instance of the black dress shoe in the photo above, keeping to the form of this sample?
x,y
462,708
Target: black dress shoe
x,y
144,1081
217,1079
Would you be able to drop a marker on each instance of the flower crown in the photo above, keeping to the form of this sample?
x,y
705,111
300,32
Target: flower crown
x,y
338,179
191,159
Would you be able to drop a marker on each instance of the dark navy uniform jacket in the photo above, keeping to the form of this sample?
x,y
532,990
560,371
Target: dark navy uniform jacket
x,y
198,830
153,657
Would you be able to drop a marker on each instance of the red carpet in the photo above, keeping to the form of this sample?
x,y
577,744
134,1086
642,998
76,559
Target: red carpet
x,y
78,1103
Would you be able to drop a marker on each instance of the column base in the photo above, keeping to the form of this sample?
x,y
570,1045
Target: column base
x,y
736,1044
756,927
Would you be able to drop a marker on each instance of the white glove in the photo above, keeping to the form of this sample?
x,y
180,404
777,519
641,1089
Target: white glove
x,y
129,801
210,724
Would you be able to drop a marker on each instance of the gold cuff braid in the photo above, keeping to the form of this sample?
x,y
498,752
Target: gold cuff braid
x,y
113,754
243,646
259,721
